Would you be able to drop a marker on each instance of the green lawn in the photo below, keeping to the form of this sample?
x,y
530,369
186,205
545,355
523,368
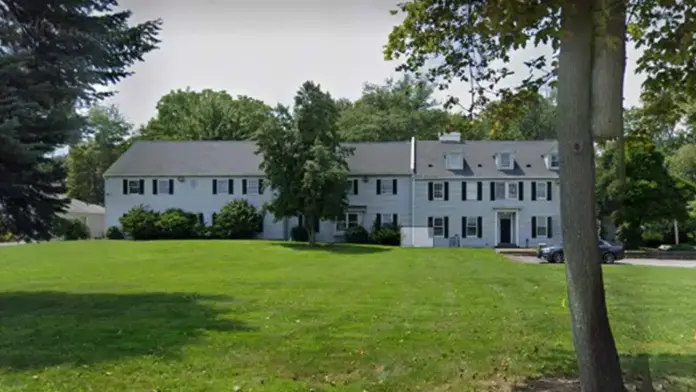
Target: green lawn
x,y
211,315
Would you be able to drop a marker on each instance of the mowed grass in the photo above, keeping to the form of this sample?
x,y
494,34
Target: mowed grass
x,y
213,315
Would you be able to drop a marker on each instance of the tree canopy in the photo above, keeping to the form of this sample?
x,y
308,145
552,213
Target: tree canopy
x,y
205,115
303,159
52,61
104,140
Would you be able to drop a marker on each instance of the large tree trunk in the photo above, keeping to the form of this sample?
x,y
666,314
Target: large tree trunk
x,y
309,226
597,357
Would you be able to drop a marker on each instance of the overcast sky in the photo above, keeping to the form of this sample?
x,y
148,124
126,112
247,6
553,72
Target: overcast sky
x,y
266,49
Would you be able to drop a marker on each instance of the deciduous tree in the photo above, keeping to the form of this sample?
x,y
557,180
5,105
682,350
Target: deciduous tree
x,y
53,57
303,159
205,115
463,39
104,140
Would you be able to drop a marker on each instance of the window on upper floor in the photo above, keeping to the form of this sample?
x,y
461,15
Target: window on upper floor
x,y
454,161
134,187
472,191
165,187
541,190
438,191
255,186
553,161
387,187
223,186
505,161
506,191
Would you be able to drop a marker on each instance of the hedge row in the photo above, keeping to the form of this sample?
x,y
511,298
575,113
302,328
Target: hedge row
x,y
236,220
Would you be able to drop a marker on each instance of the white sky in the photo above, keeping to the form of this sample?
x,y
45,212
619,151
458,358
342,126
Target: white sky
x,y
267,49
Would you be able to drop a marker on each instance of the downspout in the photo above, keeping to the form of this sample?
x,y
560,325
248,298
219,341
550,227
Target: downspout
x,y
413,190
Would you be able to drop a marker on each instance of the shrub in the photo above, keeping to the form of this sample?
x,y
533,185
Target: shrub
x,y
238,219
114,233
356,235
7,237
651,239
299,234
386,235
140,223
177,224
70,229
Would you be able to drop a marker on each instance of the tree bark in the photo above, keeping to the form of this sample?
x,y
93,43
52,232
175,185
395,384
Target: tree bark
x,y
597,357
309,226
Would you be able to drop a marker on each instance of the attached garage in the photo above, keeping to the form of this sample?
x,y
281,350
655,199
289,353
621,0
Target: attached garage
x,y
91,215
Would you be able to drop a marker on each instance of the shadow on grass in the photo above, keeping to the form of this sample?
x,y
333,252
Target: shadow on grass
x,y
42,329
642,372
335,248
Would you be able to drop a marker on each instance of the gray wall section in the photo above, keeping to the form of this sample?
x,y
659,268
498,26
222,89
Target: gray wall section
x,y
455,208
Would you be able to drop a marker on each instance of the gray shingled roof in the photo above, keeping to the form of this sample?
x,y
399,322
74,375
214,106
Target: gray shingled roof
x,y
479,158
221,158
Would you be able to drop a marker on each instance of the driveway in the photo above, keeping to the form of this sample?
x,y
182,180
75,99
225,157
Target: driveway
x,y
651,262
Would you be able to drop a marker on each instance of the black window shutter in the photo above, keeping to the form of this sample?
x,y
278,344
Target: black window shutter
x,y
549,186
430,221
479,190
492,190
154,187
260,186
463,190
446,219
200,218
125,187
379,186
549,233
316,225
534,190
395,219
394,182
534,227
479,227
142,187
446,190
214,187
463,227
300,220
355,187
430,192
171,187
378,220
260,228
230,186
520,191
244,186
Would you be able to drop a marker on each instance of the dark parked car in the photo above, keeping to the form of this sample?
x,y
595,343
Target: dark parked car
x,y
608,251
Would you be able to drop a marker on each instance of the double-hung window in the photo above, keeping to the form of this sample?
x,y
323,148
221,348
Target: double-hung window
x,y
438,190
471,226
351,219
541,191
506,191
134,187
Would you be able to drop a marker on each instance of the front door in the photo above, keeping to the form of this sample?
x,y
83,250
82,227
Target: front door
x,y
505,230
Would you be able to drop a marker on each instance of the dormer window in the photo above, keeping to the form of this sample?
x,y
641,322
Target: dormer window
x,y
552,161
454,161
506,161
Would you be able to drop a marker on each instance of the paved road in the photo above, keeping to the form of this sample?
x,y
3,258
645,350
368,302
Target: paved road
x,y
652,262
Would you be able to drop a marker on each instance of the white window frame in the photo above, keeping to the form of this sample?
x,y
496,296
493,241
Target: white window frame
x,y
472,191
162,187
471,222
510,159
544,220
435,191
386,219
541,185
346,221
253,186
512,195
554,158
387,187
134,190
223,186
454,161
439,227
507,195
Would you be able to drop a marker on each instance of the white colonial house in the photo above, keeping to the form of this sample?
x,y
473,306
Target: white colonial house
x,y
456,193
